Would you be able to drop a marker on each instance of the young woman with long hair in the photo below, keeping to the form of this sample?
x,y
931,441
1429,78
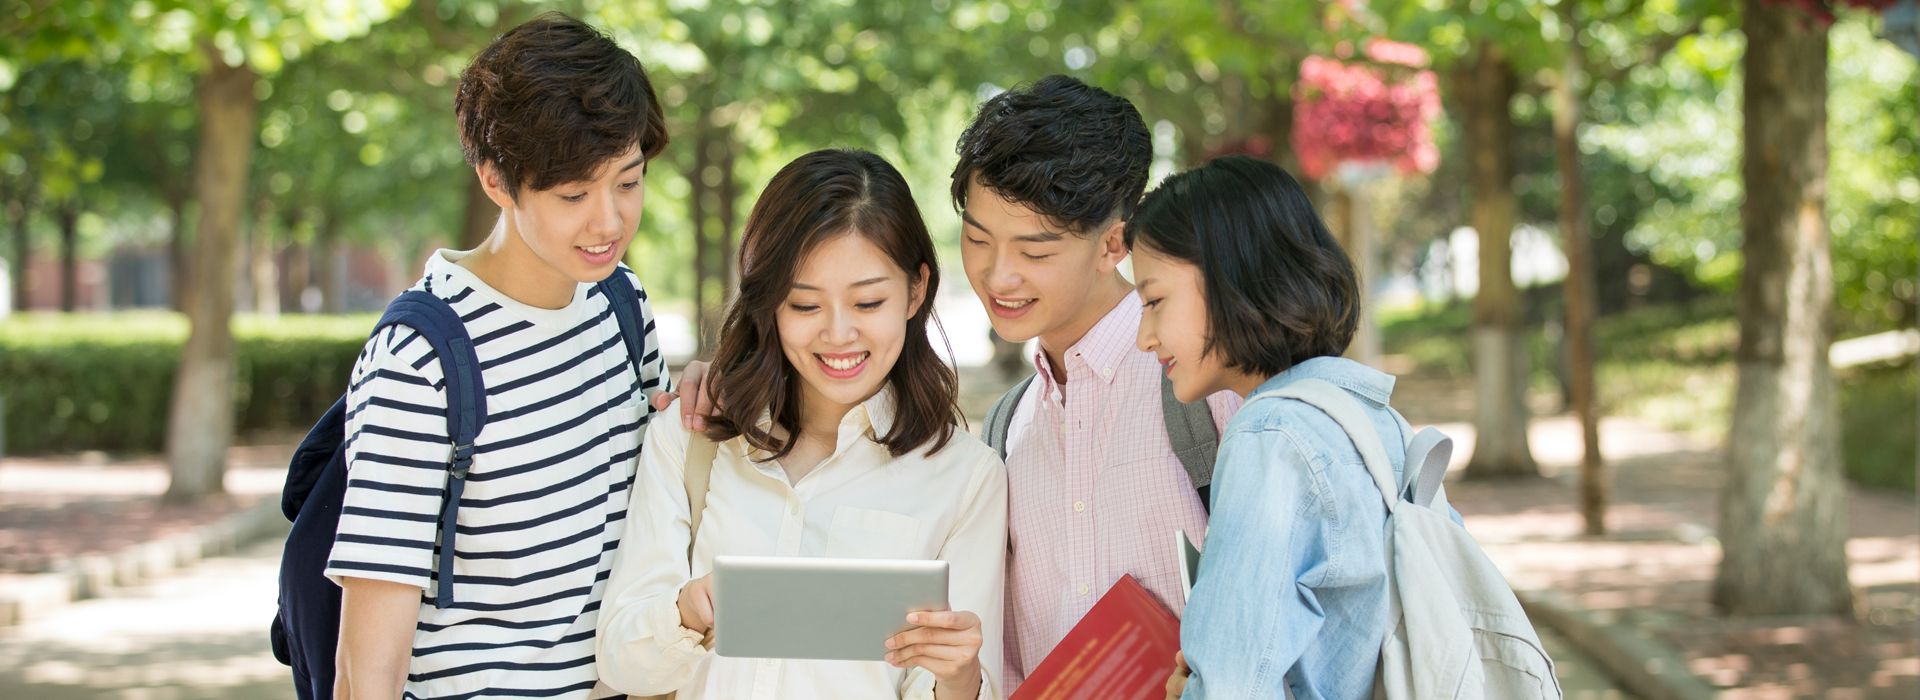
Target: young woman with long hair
x,y
836,438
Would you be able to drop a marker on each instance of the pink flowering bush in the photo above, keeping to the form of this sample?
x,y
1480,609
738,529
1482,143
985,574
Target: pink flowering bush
x,y
1350,112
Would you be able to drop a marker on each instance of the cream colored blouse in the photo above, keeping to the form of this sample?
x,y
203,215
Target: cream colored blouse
x,y
859,502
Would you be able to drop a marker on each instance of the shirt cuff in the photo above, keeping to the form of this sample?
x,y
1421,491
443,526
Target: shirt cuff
x,y
679,646
919,685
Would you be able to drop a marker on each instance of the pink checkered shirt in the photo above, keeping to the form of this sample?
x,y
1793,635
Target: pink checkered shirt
x,y
1094,489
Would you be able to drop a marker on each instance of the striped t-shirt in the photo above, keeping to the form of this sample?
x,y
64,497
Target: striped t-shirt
x,y
540,516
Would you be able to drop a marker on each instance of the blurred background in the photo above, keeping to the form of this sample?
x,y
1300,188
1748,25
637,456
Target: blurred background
x,y
1652,262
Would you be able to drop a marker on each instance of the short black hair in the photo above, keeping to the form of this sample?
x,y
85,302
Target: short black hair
x,y
1073,153
551,100
1279,290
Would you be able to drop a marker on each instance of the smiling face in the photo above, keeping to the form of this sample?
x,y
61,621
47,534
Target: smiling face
x,y
844,321
1173,326
578,230
1035,279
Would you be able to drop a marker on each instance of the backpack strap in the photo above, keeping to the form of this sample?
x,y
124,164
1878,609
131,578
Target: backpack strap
x,y
698,465
625,302
1346,411
1427,457
698,477
1195,439
1000,417
443,329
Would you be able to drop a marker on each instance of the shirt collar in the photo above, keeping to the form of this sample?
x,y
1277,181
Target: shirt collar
x,y
874,415
1371,384
1105,344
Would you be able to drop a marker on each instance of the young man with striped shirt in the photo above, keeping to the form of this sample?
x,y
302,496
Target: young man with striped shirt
x,y
559,122
1047,177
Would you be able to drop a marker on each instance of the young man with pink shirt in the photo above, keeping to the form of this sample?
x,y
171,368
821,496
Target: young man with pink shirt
x,y
1047,177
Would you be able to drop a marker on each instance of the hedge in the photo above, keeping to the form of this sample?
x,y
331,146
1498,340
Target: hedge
x,y
105,381
1879,407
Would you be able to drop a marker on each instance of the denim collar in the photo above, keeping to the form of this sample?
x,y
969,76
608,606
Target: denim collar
x,y
1371,384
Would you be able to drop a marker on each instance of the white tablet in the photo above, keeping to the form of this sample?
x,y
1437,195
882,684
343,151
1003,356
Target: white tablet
x,y
818,608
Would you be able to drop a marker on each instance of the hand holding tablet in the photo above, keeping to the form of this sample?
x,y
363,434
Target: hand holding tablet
x,y
819,608
947,644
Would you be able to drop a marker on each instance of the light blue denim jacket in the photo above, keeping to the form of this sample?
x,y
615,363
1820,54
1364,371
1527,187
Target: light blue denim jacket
x,y
1292,589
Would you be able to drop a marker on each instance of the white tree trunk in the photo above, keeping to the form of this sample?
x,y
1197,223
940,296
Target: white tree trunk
x,y
1783,520
200,420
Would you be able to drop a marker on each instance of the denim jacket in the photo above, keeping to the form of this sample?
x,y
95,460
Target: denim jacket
x,y
1292,588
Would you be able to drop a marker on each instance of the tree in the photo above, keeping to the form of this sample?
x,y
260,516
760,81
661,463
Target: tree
x,y
1783,517
1578,289
1485,84
200,420
226,46
1484,49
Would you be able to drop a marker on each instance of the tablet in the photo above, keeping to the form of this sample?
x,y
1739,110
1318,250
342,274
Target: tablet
x,y
1189,563
818,608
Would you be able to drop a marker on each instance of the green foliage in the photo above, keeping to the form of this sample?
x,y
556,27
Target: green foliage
x,y
1873,180
104,382
1879,409
1674,365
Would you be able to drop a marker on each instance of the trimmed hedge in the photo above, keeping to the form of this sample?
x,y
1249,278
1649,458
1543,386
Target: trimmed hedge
x,y
1879,407
105,381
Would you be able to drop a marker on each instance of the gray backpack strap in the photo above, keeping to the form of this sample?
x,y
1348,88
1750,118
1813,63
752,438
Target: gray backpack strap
x,y
1190,428
1000,417
1346,411
1427,458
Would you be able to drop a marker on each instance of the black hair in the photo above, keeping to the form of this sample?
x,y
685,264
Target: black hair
x,y
1279,290
1073,153
551,100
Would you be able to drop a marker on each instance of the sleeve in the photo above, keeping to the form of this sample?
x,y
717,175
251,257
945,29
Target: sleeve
x,y
641,647
1254,606
396,451
976,551
653,361
1223,405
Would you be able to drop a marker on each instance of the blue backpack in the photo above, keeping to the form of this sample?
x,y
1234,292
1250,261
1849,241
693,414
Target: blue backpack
x,y
307,629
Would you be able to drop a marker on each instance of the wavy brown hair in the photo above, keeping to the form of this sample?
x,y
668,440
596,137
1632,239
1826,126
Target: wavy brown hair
x,y
819,197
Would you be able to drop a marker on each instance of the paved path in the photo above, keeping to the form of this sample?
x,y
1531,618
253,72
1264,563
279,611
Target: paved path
x,y
197,635
202,632
202,635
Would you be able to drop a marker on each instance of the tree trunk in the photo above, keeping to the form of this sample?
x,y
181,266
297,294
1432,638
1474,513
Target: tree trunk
x,y
22,247
298,279
264,274
69,216
1783,520
1577,291
1349,207
327,250
482,215
177,258
1499,355
729,192
697,215
200,420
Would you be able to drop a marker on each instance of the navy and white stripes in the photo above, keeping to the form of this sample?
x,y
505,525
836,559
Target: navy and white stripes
x,y
538,521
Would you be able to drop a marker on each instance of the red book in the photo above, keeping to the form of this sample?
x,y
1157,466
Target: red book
x,y
1122,650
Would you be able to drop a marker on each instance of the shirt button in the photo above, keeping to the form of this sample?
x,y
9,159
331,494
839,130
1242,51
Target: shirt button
x,y
1063,427
1106,371
1083,589
794,509
1079,506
